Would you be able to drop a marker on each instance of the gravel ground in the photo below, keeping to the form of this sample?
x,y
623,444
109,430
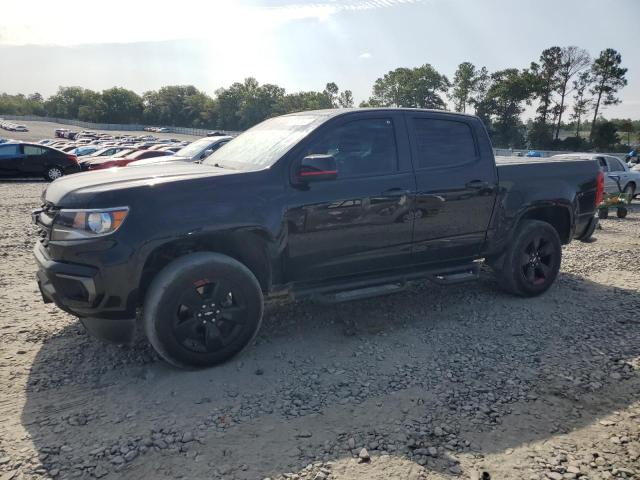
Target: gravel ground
x,y
435,382
39,130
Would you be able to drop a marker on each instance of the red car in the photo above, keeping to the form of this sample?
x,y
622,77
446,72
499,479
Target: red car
x,y
99,164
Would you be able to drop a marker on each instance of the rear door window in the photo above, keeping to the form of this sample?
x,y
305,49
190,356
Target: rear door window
x,y
615,165
442,143
33,151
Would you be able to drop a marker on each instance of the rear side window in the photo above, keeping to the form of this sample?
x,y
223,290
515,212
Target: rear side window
x,y
31,150
9,150
442,143
615,165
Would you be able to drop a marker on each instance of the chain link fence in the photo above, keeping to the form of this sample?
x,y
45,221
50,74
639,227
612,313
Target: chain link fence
x,y
198,132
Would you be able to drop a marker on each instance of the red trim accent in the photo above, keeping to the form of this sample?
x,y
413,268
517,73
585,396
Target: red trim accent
x,y
322,172
600,188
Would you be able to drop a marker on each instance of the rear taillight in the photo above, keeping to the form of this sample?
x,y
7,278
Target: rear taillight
x,y
73,158
600,188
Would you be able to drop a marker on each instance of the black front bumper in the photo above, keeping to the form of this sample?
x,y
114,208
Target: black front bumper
x,y
78,290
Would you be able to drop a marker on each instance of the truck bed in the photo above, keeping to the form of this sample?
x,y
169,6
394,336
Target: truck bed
x,y
525,181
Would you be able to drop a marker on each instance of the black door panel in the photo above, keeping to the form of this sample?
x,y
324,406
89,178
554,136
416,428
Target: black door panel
x,y
363,220
456,188
10,159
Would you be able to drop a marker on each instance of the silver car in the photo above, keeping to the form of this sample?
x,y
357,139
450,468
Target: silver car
x,y
617,174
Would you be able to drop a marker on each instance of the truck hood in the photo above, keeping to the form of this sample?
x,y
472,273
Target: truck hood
x,y
65,191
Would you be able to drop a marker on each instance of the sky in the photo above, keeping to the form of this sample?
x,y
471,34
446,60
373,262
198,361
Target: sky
x,y
297,44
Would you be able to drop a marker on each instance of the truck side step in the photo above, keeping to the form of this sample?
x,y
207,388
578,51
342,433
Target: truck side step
x,y
457,276
360,293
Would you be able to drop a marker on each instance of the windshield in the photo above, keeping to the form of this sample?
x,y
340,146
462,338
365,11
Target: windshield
x,y
261,146
194,148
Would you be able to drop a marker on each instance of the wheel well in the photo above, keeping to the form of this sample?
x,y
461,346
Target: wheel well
x,y
558,217
248,247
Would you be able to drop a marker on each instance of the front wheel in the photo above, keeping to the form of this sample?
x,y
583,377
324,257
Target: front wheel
x,y
622,212
532,261
52,173
202,309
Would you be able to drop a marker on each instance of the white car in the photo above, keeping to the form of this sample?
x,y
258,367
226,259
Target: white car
x,y
20,128
617,173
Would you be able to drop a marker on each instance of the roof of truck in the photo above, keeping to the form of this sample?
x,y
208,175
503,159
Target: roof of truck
x,y
333,112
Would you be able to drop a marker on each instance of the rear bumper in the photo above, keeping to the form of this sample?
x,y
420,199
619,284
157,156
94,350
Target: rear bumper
x,y
588,230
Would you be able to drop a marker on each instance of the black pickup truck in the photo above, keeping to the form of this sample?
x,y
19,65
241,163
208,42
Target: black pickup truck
x,y
335,204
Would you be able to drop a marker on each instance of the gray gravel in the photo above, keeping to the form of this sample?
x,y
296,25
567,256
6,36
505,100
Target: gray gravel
x,y
434,382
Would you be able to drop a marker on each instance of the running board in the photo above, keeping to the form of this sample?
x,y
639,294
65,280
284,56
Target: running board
x,y
359,293
358,289
461,276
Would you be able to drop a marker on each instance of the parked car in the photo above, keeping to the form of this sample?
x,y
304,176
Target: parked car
x,y
615,170
33,160
109,162
85,150
20,128
194,152
60,132
318,204
109,153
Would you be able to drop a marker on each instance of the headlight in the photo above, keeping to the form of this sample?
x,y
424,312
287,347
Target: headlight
x,y
83,224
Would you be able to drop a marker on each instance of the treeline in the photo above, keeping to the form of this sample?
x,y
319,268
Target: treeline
x,y
569,88
238,107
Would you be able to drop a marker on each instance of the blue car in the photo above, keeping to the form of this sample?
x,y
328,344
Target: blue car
x,y
534,153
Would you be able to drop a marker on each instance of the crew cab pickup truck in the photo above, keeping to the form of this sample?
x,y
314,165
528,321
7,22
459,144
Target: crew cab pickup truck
x,y
335,205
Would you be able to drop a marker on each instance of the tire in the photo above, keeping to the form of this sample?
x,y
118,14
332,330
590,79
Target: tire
x,y
603,213
202,309
630,191
622,212
532,262
52,173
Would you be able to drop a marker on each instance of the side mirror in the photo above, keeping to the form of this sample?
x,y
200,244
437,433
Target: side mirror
x,y
317,168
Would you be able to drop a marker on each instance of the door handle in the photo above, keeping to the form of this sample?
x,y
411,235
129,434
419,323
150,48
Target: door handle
x,y
477,184
395,192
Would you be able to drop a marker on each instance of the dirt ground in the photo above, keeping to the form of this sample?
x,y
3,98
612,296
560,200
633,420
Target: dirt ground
x,y
39,130
435,382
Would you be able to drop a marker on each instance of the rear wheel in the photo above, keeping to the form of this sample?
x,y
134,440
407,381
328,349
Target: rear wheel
x,y
202,309
629,192
603,213
622,212
531,263
52,173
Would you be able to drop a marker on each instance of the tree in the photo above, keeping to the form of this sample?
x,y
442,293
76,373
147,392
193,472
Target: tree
x,y
418,87
608,78
176,105
628,128
605,135
479,94
67,101
581,103
331,91
464,82
545,80
572,61
120,105
345,100
503,104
